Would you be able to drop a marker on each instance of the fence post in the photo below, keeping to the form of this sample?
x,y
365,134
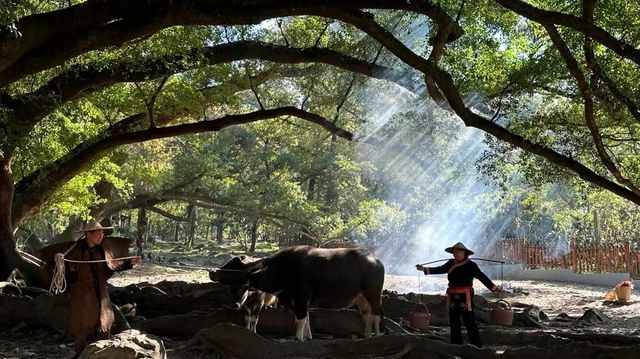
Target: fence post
x,y
523,252
627,256
574,260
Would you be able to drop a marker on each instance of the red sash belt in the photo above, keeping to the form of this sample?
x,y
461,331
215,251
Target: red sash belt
x,y
460,290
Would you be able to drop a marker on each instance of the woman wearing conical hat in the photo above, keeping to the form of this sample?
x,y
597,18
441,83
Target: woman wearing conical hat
x,y
461,271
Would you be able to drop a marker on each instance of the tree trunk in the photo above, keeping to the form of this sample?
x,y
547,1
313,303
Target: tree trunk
x,y
219,223
143,223
312,188
7,245
9,257
176,232
254,235
220,234
192,213
148,233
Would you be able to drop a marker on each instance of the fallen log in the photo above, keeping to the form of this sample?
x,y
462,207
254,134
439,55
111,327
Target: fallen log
x,y
45,310
516,338
154,300
601,339
272,321
573,351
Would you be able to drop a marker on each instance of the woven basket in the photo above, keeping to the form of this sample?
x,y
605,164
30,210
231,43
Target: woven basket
x,y
419,320
623,293
420,317
502,316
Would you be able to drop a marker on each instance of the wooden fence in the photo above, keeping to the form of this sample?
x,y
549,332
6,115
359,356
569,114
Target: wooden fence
x,y
603,258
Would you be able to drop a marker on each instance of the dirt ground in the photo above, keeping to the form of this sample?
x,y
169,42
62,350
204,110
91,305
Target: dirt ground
x,y
552,297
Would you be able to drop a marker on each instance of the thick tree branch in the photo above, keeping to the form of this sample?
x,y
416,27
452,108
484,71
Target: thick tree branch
x,y
438,46
34,189
446,85
597,72
543,17
167,214
152,101
28,109
95,25
611,85
344,98
587,97
149,200
446,27
211,203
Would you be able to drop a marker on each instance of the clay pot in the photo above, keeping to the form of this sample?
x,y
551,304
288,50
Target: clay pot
x,y
502,316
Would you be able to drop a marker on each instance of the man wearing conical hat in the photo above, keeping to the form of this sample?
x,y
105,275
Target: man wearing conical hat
x,y
461,271
89,262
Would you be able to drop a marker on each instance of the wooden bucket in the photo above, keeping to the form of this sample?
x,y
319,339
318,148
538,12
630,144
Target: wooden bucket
x,y
502,316
623,293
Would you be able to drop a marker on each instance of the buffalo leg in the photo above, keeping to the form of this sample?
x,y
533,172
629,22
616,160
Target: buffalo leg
x,y
301,310
365,309
307,328
300,328
373,298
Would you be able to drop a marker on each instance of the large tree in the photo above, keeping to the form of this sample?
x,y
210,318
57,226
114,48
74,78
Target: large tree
x,y
578,54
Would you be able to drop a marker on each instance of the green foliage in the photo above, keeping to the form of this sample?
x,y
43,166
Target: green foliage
x,y
294,179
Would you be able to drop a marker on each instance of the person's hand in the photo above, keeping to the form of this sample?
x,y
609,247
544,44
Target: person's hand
x,y
498,289
420,267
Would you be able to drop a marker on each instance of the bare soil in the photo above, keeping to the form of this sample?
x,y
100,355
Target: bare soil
x,y
552,297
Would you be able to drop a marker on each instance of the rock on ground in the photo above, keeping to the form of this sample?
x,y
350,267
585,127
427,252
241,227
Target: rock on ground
x,y
128,344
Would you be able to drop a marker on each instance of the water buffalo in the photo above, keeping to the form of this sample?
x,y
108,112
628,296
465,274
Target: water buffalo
x,y
304,276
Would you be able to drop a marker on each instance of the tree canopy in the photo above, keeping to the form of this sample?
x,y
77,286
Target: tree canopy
x,y
552,83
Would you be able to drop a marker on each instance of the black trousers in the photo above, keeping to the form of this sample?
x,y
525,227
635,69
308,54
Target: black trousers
x,y
457,309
